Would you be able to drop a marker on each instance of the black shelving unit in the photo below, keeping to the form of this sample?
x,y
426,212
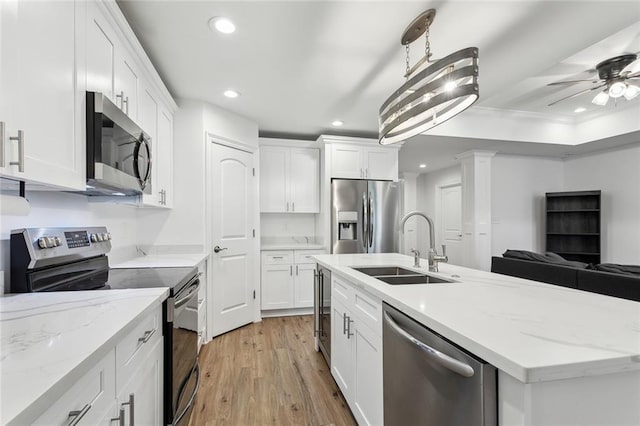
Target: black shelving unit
x,y
573,225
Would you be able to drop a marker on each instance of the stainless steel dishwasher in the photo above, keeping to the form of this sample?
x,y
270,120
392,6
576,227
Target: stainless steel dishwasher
x,y
430,381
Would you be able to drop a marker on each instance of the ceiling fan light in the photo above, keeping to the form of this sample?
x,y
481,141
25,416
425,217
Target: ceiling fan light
x,y
617,89
631,92
601,98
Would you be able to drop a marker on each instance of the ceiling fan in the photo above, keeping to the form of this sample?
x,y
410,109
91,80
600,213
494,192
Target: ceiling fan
x,y
612,76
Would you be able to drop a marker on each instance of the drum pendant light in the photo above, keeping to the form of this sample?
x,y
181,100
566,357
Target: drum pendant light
x,y
434,91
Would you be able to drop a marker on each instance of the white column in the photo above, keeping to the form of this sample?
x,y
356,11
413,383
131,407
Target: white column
x,y
476,208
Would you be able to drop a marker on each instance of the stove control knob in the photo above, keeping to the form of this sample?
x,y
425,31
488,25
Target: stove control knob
x,y
101,237
42,242
94,238
108,236
57,241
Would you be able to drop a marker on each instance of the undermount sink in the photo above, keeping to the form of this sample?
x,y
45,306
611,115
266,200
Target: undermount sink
x,y
378,271
413,279
396,275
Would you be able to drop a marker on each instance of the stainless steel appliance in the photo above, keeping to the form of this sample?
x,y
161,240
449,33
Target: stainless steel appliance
x,y
364,217
431,381
322,312
118,150
67,259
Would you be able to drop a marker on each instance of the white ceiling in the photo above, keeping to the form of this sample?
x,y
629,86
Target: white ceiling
x,y
299,65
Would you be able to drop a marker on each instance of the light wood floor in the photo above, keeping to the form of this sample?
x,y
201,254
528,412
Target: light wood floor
x,y
268,374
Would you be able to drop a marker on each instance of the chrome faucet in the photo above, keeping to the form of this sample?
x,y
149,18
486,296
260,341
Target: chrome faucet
x,y
433,257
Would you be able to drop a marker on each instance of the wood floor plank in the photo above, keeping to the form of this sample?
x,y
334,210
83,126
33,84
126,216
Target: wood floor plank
x,y
268,373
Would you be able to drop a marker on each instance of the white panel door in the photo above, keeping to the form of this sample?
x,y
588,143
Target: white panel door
x,y
232,192
277,287
303,284
304,178
100,48
451,222
274,179
346,161
381,163
341,353
367,385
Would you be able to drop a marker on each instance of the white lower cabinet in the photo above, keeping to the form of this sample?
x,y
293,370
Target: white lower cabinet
x,y
356,350
287,279
124,388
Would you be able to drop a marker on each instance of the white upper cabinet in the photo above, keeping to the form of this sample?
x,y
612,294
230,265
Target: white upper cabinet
x,y
360,161
101,49
289,180
42,93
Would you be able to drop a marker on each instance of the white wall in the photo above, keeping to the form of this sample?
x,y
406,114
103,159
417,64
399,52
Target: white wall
x,y
518,186
56,209
427,185
617,174
185,223
409,198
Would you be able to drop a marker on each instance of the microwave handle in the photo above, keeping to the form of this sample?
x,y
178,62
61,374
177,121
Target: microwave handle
x,y
143,180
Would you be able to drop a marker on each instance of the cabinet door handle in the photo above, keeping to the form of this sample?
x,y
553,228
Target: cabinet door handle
x,y
293,206
344,323
20,140
1,143
119,419
366,173
277,257
291,270
121,96
126,102
78,414
287,206
147,336
349,333
296,269
131,404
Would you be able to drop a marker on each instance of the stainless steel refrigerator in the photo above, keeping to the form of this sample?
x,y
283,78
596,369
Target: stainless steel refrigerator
x,y
364,217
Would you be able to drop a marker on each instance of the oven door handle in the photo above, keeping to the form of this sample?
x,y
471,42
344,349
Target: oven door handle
x,y
191,398
184,299
444,360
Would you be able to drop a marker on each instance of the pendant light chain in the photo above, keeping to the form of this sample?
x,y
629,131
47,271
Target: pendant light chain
x,y
427,45
407,61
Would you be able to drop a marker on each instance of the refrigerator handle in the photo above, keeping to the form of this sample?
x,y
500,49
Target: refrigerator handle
x,y
365,221
370,220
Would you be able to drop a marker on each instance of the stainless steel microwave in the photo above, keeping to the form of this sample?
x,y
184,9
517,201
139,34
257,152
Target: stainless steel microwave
x,y
118,150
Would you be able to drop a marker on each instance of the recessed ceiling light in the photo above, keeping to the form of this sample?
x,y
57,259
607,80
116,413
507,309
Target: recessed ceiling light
x,y
337,123
423,166
222,24
231,94
581,109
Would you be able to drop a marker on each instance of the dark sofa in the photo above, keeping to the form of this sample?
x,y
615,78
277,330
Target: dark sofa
x,y
607,283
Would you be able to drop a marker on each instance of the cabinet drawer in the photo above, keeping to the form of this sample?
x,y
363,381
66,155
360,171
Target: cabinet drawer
x,y
304,256
341,291
133,349
368,310
277,257
94,393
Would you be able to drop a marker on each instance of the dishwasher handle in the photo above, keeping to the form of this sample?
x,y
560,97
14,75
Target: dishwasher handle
x,y
444,360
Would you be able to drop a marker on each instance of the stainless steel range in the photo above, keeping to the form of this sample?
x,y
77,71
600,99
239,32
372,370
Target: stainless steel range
x,y
68,259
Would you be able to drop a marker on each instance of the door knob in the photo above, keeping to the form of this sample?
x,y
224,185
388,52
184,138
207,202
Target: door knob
x,y
218,249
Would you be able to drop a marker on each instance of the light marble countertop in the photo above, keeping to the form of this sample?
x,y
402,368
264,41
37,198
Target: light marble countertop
x,y
532,331
178,260
49,340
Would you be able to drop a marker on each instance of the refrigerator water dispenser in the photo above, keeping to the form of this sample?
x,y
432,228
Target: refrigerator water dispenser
x,y
347,225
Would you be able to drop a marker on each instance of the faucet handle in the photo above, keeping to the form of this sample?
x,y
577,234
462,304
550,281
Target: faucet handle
x,y
414,251
444,250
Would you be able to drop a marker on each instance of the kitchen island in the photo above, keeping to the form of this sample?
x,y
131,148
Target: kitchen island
x,y
52,341
564,356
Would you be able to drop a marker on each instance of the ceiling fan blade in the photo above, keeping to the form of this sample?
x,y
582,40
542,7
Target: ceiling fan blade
x,y
558,83
576,94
